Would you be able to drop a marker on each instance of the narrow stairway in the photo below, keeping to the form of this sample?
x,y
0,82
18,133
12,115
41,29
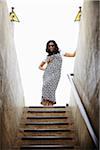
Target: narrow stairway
x,y
47,128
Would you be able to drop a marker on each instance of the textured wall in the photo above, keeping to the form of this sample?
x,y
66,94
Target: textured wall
x,y
11,93
87,70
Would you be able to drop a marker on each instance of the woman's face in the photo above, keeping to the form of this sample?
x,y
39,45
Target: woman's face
x,y
51,46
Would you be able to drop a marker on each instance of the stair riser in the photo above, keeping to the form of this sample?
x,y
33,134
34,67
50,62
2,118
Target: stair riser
x,y
48,108
47,120
48,148
68,134
54,141
72,147
48,126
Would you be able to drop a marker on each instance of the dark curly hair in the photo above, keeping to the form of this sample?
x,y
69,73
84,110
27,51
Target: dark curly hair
x,y
56,48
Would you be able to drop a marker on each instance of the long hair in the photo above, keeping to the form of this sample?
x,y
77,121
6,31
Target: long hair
x,y
56,48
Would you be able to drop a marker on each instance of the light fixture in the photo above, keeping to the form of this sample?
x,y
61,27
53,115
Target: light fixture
x,y
13,16
78,16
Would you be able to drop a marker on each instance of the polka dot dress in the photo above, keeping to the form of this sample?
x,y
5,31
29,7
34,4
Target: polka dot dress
x,y
51,77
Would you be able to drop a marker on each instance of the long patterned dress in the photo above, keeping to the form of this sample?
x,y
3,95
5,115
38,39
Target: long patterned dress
x,y
51,77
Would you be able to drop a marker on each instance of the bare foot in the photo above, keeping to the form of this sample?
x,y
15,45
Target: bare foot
x,y
46,103
50,104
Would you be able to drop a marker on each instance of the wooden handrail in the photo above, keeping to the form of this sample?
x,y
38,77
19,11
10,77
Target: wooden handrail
x,y
83,111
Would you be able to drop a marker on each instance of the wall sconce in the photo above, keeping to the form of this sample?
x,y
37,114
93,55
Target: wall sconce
x,y
78,16
13,16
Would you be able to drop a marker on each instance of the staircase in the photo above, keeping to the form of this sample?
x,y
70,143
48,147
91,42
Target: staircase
x,y
47,128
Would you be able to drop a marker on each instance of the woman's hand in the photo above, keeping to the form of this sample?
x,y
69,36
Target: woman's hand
x,y
67,54
41,65
41,68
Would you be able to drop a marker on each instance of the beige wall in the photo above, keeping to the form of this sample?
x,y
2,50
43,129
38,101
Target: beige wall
x,y
11,92
87,71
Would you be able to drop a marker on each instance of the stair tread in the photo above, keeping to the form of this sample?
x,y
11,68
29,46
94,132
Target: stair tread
x,y
45,137
46,107
47,123
46,130
47,145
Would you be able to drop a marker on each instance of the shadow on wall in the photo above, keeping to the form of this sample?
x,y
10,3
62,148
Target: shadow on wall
x,y
11,93
86,72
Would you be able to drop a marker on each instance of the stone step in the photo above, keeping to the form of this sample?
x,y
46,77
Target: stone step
x,y
43,112
44,126
47,119
46,140
46,111
45,132
47,108
31,114
48,123
47,147
46,137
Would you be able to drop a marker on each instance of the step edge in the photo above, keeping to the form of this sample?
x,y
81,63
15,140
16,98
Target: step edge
x,y
47,111
48,145
47,123
45,137
46,130
47,117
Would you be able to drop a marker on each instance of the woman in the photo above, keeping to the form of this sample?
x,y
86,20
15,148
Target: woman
x,y
51,74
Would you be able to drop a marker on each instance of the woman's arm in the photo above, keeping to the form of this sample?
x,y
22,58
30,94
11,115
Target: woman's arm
x,y
67,54
41,65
